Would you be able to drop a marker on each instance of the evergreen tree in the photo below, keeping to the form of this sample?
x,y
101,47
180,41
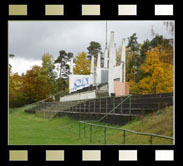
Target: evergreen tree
x,y
93,49
63,60
133,62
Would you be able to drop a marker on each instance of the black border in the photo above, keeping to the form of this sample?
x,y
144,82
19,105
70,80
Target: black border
x,y
73,153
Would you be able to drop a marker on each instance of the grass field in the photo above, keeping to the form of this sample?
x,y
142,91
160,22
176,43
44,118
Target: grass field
x,y
29,129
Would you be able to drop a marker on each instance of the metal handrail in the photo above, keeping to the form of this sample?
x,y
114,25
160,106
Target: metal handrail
x,y
130,131
124,130
114,108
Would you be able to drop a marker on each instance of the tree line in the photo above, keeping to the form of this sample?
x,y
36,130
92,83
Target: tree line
x,y
51,77
149,69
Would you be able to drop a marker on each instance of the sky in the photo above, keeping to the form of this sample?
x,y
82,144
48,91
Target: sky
x,y
29,40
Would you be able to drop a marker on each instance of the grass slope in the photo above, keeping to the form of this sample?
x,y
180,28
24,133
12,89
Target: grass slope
x,y
29,129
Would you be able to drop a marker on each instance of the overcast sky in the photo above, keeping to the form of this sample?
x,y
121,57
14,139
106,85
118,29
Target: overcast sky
x,y
29,40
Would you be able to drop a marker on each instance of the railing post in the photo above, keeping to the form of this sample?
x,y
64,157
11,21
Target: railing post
x,y
80,106
77,110
75,106
121,105
124,137
94,105
89,106
113,102
150,140
90,133
84,130
105,135
79,130
130,107
84,106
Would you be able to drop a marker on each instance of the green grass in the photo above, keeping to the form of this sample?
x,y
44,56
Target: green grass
x,y
30,129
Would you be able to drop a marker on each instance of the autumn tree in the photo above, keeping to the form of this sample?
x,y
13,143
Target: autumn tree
x,y
82,64
15,90
35,85
159,74
156,41
48,70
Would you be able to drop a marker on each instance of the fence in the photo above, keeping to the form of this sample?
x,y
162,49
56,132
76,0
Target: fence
x,y
80,106
115,128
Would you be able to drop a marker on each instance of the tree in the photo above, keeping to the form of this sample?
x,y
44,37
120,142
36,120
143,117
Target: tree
x,y
82,64
61,82
93,49
15,90
63,60
159,74
48,70
35,85
133,57
158,40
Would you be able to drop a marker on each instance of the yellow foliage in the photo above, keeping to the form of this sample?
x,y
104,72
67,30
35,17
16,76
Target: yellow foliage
x,y
15,87
133,87
159,75
82,64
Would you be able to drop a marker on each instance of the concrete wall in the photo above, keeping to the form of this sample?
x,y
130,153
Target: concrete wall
x,y
79,96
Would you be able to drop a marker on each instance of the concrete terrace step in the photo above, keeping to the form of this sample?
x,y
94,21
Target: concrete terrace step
x,y
138,103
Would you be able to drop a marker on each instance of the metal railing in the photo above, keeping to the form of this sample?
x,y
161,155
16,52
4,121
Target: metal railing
x,y
114,108
115,128
80,106
43,104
